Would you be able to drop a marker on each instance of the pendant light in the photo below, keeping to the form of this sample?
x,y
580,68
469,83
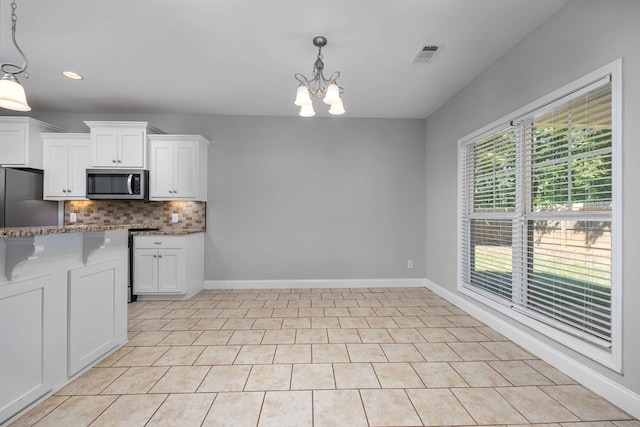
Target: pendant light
x,y
12,94
319,86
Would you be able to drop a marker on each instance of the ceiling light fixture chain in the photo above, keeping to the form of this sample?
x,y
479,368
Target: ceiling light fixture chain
x,y
319,86
17,70
12,94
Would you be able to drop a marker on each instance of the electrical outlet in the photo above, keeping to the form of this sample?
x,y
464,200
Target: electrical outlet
x,y
72,217
174,217
409,263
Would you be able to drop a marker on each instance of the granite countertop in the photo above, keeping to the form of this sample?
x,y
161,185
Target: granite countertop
x,y
43,231
166,232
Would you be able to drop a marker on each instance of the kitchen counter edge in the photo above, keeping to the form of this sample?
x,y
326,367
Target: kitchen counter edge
x,y
6,233
165,232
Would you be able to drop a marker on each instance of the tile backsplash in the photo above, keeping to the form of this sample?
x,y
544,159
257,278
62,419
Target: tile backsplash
x,y
191,215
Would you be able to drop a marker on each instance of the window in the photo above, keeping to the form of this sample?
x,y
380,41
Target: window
x,y
538,226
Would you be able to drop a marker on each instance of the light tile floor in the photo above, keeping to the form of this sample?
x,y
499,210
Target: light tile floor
x,y
319,357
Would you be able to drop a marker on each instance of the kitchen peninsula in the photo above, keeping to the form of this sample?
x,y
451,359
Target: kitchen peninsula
x,y
64,289
63,306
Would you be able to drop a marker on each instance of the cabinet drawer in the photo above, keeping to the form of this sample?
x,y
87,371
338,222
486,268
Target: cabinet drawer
x,y
158,242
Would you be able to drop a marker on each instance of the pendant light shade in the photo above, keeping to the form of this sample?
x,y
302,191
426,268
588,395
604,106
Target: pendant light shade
x,y
333,94
302,96
337,109
12,94
307,111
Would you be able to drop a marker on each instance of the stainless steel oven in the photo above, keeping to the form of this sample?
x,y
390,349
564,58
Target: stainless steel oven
x,y
118,184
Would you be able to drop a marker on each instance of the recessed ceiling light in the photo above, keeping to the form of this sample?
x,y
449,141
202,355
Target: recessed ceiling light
x,y
72,75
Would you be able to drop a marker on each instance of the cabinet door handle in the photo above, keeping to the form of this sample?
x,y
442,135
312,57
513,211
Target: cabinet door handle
x,y
68,191
157,243
119,161
113,161
64,191
159,256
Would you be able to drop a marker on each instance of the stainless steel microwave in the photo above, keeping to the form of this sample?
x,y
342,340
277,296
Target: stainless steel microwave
x,y
118,184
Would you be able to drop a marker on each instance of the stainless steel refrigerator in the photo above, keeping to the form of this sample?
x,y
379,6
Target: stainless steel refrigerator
x,y
21,203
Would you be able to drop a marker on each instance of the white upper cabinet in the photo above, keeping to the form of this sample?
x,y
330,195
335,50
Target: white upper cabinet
x,y
178,167
21,143
119,144
66,159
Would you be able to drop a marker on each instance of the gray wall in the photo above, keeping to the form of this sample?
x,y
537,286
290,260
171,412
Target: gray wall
x,y
293,198
317,199
581,37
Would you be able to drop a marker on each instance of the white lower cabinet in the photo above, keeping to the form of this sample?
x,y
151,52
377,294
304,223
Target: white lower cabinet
x,y
166,265
94,314
159,271
28,345
63,307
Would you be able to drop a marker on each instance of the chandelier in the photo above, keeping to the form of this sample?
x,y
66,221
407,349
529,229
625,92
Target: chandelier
x,y
12,94
319,86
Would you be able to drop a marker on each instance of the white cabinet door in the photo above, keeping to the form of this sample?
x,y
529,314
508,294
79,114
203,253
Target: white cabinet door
x,y
21,143
56,174
131,144
170,276
158,271
92,297
104,148
66,159
78,164
160,265
114,148
174,170
178,169
145,271
185,170
26,346
169,265
14,144
161,171
119,144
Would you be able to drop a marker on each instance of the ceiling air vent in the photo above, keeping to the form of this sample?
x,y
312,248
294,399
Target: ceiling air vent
x,y
426,53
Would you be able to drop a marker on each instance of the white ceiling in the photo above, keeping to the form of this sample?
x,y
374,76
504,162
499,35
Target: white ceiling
x,y
238,57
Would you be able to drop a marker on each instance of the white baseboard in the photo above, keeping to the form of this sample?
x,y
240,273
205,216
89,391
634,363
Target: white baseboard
x,y
306,284
624,398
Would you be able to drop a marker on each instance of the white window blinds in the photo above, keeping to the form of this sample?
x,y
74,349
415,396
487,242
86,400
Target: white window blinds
x,y
536,214
489,173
